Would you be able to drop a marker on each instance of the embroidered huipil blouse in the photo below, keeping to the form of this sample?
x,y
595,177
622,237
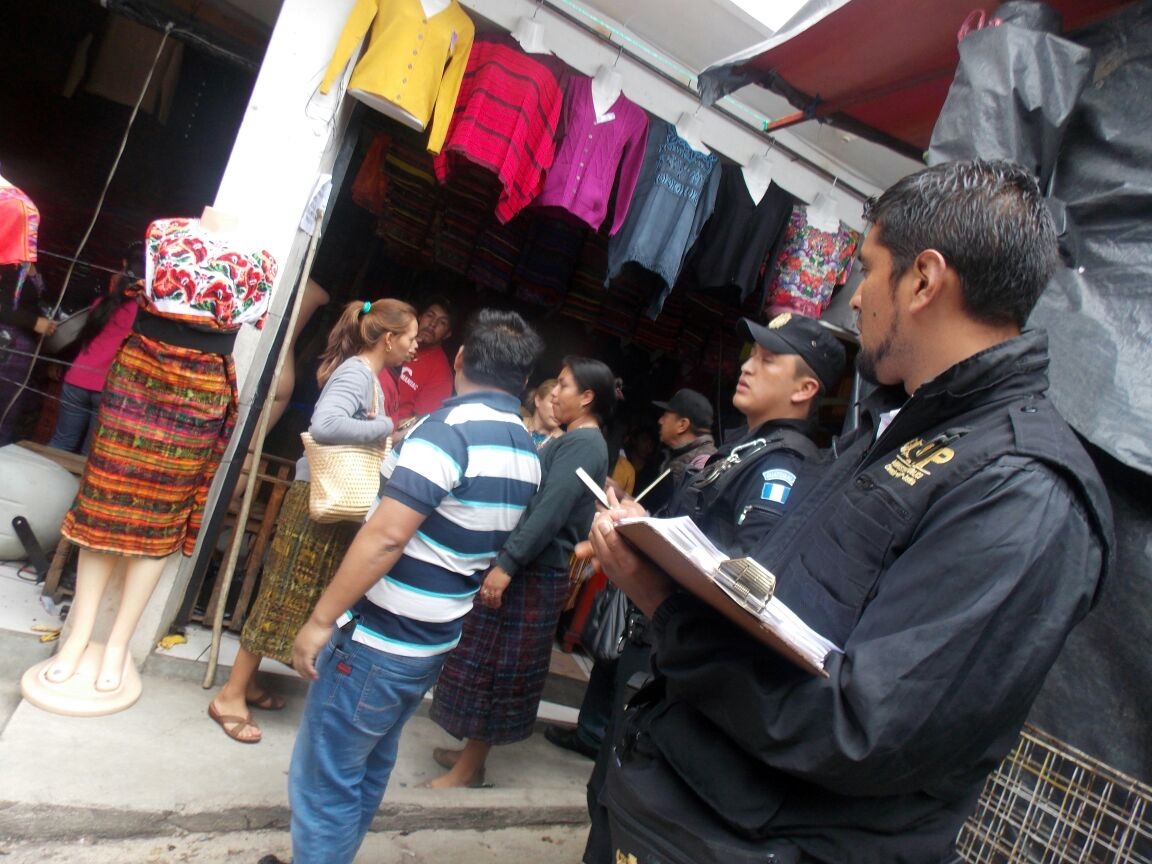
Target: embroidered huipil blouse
x,y
196,276
581,178
674,198
19,226
809,266
506,119
413,60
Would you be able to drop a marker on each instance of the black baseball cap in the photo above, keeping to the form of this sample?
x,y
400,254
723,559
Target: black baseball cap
x,y
789,333
692,405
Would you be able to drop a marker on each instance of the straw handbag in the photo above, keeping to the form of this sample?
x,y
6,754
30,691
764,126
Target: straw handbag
x,y
345,478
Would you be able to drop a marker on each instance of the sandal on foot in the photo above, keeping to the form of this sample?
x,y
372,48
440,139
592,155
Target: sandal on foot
x,y
267,701
445,757
237,727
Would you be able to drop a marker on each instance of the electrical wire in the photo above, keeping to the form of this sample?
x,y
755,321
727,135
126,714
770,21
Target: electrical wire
x,y
92,224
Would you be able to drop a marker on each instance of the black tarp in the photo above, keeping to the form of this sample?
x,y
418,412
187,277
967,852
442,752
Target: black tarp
x,y
1078,109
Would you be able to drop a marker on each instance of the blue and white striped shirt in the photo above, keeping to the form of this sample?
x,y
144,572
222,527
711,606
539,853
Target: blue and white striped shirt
x,y
472,468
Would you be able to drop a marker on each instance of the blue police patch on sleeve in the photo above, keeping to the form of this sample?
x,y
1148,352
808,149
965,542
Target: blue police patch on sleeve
x,y
777,485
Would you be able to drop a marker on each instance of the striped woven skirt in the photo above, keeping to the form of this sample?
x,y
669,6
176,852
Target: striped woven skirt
x,y
491,684
163,424
301,563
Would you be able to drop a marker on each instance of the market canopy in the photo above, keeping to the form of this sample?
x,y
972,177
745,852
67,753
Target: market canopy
x,y
877,68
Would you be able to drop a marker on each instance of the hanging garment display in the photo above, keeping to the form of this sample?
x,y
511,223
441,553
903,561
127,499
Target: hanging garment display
x,y
506,119
19,225
674,198
582,175
741,234
125,59
414,62
549,260
371,183
808,267
410,204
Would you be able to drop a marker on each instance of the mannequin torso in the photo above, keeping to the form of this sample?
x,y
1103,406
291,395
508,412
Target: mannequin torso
x,y
757,177
690,127
607,85
434,7
823,214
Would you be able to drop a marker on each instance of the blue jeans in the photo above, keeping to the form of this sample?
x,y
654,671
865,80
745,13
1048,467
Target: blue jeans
x,y
77,416
346,745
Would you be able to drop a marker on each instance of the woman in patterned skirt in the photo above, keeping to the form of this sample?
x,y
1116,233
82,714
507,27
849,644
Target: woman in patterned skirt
x,y
352,409
490,686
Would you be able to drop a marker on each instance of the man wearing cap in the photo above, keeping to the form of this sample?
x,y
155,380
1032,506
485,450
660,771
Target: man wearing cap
x,y
686,430
743,489
736,497
960,534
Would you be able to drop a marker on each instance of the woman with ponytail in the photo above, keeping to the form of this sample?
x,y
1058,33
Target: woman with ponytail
x,y
352,409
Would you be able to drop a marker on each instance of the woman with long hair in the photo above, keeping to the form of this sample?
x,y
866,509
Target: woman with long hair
x,y
351,409
109,322
541,420
489,689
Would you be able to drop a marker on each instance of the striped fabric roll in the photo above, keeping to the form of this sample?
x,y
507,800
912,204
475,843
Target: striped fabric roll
x,y
164,421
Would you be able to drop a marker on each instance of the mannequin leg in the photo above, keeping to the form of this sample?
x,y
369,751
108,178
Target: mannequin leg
x,y
93,571
140,578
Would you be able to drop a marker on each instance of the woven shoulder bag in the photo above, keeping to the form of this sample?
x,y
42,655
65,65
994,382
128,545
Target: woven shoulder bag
x,y
345,478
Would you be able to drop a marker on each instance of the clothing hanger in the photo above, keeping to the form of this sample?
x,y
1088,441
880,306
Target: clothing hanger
x,y
823,212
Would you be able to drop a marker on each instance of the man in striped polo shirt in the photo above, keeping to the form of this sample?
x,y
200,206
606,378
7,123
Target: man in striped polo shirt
x,y
452,491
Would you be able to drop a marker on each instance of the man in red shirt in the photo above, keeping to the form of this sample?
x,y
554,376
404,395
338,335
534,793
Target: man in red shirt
x,y
426,381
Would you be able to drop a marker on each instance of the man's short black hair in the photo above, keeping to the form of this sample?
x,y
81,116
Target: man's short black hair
x,y
500,350
441,301
988,220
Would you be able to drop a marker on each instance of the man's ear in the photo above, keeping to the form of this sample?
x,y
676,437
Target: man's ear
x,y
807,388
458,363
932,276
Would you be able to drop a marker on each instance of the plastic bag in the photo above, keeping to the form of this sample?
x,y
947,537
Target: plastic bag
x,y
606,627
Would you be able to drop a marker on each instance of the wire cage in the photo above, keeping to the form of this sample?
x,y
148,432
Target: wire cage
x,y
1049,803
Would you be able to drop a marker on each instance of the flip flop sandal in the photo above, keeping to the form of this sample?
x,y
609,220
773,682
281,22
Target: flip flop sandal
x,y
239,724
268,701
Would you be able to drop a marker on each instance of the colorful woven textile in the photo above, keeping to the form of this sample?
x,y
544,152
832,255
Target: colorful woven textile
x,y
490,686
506,119
19,225
163,423
304,556
808,267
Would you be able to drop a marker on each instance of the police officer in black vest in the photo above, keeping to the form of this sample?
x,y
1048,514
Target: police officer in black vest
x,y
742,491
736,497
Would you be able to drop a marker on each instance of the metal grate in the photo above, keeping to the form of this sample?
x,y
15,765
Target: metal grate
x,y
1049,803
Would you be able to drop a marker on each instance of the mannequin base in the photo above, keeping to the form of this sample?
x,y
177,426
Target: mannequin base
x,y
78,696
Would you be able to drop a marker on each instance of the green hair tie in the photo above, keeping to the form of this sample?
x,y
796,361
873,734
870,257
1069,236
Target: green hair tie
x,y
366,308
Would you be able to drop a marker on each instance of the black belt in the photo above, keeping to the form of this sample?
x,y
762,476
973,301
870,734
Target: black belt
x,y
183,335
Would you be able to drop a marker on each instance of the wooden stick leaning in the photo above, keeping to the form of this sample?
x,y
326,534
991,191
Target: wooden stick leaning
x,y
253,457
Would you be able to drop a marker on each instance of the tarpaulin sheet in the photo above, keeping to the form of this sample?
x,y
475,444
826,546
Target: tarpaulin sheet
x,y
1077,110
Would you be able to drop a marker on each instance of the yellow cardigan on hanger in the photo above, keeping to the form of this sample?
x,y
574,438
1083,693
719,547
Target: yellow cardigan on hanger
x,y
414,61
